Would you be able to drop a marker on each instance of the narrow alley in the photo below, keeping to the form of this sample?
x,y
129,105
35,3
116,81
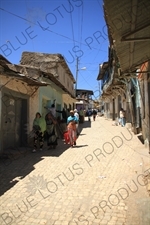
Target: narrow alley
x,y
100,181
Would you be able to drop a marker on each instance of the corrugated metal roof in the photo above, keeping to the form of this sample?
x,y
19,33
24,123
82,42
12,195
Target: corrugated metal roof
x,y
129,25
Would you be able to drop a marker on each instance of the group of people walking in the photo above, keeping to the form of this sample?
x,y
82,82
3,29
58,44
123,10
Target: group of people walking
x,y
46,129
91,112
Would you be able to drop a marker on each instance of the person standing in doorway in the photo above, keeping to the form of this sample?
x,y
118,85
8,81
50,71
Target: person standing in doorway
x,y
122,117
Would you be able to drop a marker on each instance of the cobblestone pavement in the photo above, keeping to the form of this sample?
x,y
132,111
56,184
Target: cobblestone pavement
x,y
99,181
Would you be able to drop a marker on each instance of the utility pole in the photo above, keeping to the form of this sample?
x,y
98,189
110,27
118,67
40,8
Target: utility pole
x,y
77,70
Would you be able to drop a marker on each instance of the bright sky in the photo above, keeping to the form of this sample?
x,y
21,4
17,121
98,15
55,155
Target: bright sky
x,y
75,29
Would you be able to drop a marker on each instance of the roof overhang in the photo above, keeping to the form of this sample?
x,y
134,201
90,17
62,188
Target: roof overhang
x,y
117,87
33,76
8,69
129,26
102,69
36,74
111,95
30,81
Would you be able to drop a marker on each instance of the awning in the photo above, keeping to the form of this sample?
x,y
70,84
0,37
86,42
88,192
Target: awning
x,y
129,25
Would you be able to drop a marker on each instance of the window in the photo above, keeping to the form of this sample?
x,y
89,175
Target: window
x,y
65,106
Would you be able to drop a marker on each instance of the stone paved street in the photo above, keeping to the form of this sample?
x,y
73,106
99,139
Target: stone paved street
x,y
101,181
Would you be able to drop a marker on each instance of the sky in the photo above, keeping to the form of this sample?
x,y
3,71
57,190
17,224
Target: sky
x,y
72,28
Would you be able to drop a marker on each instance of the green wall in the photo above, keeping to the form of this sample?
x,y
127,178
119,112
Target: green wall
x,y
47,95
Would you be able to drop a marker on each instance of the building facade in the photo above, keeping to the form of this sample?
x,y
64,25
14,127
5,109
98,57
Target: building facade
x,y
31,87
128,72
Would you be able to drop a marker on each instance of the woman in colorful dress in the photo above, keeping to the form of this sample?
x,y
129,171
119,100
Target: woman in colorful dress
x,y
71,126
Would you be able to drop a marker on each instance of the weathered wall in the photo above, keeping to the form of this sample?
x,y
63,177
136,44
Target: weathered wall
x,y
68,100
145,103
21,87
65,79
111,109
33,105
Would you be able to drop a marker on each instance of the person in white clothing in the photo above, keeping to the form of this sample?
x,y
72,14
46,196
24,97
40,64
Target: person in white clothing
x,y
122,117
52,109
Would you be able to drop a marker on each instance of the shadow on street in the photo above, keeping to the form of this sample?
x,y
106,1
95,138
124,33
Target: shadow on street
x,y
15,164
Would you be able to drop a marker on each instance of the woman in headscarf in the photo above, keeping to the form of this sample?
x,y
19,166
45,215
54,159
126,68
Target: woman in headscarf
x,y
51,132
39,127
71,126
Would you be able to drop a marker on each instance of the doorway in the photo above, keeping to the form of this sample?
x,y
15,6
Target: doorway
x,y
14,120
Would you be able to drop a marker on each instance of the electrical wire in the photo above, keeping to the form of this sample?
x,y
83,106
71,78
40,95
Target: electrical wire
x,y
31,39
81,27
86,81
89,74
72,27
80,42
100,5
61,35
